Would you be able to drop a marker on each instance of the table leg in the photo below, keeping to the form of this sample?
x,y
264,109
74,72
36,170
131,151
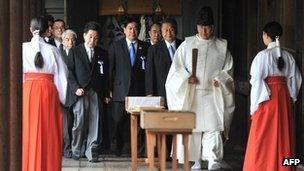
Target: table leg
x,y
133,123
163,153
174,160
158,139
186,151
151,141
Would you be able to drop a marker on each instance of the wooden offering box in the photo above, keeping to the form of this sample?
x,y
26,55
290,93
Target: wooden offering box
x,y
138,103
171,120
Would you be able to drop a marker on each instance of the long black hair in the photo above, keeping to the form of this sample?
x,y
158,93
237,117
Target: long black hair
x,y
40,24
273,30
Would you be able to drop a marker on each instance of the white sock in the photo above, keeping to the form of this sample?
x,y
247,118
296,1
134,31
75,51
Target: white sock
x,y
213,165
197,165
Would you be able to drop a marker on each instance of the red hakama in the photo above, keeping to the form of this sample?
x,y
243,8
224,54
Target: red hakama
x,y
271,136
42,124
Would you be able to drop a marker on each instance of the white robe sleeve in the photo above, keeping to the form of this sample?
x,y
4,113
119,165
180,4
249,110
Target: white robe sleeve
x,y
259,89
223,95
179,91
294,79
24,47
60,76
226,75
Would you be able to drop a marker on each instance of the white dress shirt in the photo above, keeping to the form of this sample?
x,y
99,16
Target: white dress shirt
x,y
57,43
169,45
90,52
134,42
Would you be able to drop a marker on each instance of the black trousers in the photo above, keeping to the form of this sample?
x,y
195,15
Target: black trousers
x,y
121,123
68,119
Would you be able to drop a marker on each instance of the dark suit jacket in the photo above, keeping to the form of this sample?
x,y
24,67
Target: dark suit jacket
x,y
85,74
64,56
158,65
51,41
126,80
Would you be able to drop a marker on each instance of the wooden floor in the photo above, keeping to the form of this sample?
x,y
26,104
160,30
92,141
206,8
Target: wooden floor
x,y
109,162
112,163
233,160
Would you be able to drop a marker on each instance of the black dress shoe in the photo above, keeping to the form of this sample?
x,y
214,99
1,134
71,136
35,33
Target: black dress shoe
x,y
75,157
68,154
168,159
94,160
118,152
141,151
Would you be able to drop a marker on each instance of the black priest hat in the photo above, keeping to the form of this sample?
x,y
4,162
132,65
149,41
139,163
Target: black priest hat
x,y
205,17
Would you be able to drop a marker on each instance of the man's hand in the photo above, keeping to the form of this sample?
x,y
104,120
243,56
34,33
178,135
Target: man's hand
x,y
79,92
107,100
215,83
193,80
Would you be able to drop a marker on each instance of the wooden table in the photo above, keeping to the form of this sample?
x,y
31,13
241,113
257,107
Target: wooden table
x,y
134,115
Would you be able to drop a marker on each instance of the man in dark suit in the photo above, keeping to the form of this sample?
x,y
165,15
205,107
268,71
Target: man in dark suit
x,y
68,41
154,33
58,28
159,60
127,77
47,36
87,78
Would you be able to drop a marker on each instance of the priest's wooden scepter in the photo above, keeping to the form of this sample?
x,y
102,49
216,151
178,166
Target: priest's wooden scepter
x,y
194,61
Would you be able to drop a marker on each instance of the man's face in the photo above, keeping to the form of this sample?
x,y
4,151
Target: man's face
x,y
205,32
131,31
69,41
168,32
154,33
91,38
58,28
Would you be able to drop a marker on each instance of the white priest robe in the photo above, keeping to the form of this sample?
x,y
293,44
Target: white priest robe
x,y
213,106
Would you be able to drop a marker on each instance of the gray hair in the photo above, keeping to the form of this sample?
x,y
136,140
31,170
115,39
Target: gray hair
x,y
68,31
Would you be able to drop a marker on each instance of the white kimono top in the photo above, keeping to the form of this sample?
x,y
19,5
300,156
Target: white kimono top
x,y
53,63
265,64
214,62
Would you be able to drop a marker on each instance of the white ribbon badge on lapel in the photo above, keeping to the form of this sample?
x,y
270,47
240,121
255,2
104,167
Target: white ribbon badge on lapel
x,y
143,62
100,62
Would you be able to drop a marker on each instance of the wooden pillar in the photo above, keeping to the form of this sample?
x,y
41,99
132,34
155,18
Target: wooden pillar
x,y
287,20
14,26
15,84
4,84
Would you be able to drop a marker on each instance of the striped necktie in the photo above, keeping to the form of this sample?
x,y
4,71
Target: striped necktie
x,y
172,51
